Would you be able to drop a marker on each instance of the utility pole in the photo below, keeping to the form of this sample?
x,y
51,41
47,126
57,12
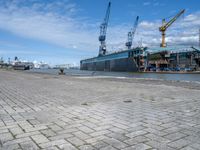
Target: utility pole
x,y
9,61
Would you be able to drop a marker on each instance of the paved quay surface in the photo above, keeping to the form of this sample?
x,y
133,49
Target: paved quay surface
x,y
85,113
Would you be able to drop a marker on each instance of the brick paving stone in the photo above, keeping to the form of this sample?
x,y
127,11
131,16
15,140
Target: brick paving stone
x,y
4,137
172,130
86,129
27,134
53,143
115,143
118,136
103,127
68,130
76,141
8,127
52,148
67,146
108,148
99,133
86,147
157,138
16,141
117,130
141,139
10,147
175,136
90,125
1,123
99,144
39,138
195,146
61,136
188,148
159,145
55,127
95,139
156,132
35,128
33,122
48,133
4,131
136,133
81,135
128,148
141,146
45,111
136,140
16,131
121,126
131,141
181,143
29,145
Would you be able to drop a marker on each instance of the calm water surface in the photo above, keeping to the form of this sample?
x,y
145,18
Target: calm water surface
x,y
176,77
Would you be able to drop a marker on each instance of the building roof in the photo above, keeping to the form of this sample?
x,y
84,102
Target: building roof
x,y
173,49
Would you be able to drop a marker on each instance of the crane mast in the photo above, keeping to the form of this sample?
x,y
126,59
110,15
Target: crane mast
x,y
131,34
103,30
166,25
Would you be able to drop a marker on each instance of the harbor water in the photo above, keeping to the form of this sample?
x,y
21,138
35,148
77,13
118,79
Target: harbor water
x,y
159,76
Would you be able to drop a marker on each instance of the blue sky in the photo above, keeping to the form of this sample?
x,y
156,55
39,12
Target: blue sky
x,y
65,31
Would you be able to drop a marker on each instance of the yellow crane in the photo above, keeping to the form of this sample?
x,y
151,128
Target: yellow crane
x,y
166,25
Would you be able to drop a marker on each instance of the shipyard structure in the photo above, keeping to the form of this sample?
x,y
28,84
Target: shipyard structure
x,y
127,60
146,59
163,58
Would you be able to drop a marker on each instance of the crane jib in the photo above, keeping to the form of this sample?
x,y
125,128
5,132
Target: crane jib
x,y
103,30
166,25
132,33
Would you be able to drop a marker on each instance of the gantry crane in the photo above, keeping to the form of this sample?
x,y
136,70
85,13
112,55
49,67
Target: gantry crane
x,y
103,29
166,25
132,33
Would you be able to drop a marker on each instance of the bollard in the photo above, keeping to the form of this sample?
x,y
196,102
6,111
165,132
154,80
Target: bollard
x,y
61,71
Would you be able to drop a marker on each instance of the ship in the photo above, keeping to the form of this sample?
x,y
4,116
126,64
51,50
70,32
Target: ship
x,y
41,65
23,65
126,60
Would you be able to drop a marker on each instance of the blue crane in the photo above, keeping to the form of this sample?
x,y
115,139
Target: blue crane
x,y
132,33
103,30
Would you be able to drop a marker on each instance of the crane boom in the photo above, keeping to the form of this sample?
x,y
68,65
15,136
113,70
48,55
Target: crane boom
x,y
166,25
132,33
103,30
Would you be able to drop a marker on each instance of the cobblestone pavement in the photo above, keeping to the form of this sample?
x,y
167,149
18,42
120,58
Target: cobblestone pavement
x,y
80,113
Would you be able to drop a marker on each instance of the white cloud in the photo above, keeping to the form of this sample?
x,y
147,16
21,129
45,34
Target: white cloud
x,y
43,21
146,3
185,31
48,25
